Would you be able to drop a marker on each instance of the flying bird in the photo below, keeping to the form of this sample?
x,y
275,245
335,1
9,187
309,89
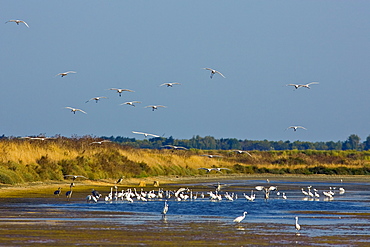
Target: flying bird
x,y
145,134
240,218
131,103
99,142
96,99
241,152
120,90
155,107
212,155
74,177
214,72
170,84
213,169
66,73
75,109
296,127
18,21
302,85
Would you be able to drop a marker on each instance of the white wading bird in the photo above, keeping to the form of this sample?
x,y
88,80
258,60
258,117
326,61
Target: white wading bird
x,y
165,208
296,127
154,107
75,109
145,134
66,73
96,99
302,85
131,103
297,226
266,190
18,21
213,169
240,218
214,72
120,90
170,84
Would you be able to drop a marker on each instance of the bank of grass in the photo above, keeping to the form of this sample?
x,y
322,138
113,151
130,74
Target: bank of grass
x,y
24,160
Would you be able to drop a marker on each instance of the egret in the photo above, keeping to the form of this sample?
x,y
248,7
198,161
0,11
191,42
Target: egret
x,y
145,134
341,191
296,127
120,90
304,192
155,107
302,85
96,99
75,109
266,190
214,72
131,103
297,226
170,84
100,142
240,218
211,156
241,152
165,208
18,21
65,73
74,177
284,196
174,147
213,169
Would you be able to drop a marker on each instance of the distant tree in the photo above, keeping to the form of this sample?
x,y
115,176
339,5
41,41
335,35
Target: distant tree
x,y
367,143
352,143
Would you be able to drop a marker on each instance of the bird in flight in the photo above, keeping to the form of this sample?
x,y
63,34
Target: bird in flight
x,y
302,85
96,99
213,169
145,134
66,73
99,142
18,21
131,103
211,156
296,127
155,107
75,109
214,72
170,84
120,90
74,177
241,152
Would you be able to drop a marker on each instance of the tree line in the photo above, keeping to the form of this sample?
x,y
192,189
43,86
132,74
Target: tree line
x,y
353,142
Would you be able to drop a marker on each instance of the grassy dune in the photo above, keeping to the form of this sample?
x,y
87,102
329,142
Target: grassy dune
x,y
25,160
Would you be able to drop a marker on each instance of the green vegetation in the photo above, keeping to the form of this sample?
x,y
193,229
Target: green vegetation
x,y
27,160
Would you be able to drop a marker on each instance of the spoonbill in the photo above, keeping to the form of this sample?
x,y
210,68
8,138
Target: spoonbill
x,y
240,218
296,127
66,73
18,21
155,107
170,84
145,134
302,85
214,72
131,103
120,90
74,109
96,99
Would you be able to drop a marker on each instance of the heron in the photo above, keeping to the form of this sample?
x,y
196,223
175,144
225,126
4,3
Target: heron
x,y
302,85
165,208
69,193
74,177
74,110
66,73
296,127
120,90
297,226
58,191
240,218
145,134
155,107
131,103
170,84
96,99
214,72
18,21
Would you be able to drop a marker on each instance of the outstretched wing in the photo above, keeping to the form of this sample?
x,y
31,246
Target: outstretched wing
x,y
218,72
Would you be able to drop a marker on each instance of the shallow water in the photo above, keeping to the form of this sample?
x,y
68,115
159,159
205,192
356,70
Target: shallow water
x,y
322,221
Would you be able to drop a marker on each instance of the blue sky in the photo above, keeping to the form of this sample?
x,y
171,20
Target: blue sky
x,y
260,46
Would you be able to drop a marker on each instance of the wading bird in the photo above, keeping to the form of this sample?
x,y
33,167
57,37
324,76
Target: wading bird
x,y
155,107
302,85
120,90
266,190
296,127
145,134
297,226
165,208
131,103
170,84
18,21
69,193
66,73
58,191
74,177
74,109
214,72
96,99
240,218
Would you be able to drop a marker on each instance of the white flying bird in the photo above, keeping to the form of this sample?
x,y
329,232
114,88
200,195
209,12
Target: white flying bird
x,y
214,72
145,134
96,99
120,90
18,21
75,109
211,155
296,127
65,73
241,152
131,103
154,107
302,85
99,142
213,169
170,84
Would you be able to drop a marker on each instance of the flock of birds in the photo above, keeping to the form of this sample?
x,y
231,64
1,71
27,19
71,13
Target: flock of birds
x,y
185,194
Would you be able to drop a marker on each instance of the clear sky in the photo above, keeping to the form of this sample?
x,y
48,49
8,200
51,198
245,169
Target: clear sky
x,y
260,47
